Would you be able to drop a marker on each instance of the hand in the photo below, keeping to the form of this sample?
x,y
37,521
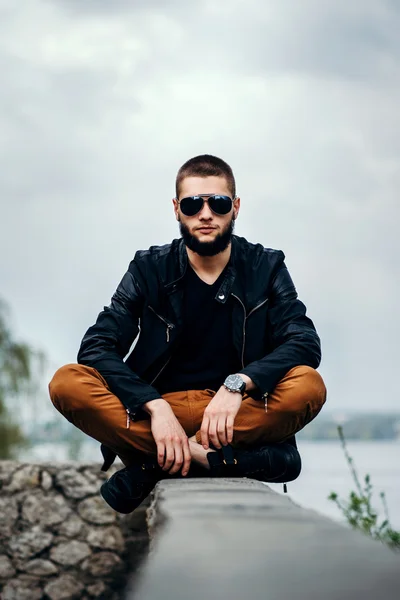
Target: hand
x,y
219,417
173,452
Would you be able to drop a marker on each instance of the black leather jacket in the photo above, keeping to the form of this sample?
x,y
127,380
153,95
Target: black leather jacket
x,y
271,332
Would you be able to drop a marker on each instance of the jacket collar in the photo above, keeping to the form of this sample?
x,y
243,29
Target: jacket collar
x,y
229,284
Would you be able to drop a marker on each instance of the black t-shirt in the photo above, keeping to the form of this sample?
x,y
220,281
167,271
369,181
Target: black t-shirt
x,y
204,355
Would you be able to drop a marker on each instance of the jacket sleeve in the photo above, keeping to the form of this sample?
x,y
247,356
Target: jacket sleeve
x,y
109,340
294,338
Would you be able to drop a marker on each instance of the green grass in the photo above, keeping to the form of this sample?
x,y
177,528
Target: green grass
x,y
358,509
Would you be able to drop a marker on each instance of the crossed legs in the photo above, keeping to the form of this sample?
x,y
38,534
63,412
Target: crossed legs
x,y
81,394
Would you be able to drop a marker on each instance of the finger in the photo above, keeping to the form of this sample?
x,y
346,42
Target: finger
x,y
229,428
169,455
187,458
204,431
221,430
212,433
178,457
160,453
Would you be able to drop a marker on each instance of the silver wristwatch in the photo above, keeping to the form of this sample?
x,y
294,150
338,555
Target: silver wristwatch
x,y
234,383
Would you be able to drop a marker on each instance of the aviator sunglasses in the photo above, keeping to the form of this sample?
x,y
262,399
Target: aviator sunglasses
x,y
220,205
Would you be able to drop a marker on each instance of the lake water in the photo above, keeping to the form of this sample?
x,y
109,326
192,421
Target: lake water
x,y
324,470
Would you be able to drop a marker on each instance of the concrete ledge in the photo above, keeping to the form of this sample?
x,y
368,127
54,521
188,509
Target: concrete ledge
x,y
236,538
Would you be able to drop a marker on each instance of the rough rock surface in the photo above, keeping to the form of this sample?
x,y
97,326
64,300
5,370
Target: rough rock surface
x,y
64,588
22,588
6,567
58,539
102,563
69,553
29,543
39,567
8,516
95,510
108,538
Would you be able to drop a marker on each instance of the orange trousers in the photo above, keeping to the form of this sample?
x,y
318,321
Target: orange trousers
x,y
81,394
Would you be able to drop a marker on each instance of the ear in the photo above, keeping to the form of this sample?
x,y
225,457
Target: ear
x,y
176,208
236,207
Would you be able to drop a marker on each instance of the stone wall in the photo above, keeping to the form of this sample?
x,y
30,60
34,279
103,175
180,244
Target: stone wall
x,y
58,538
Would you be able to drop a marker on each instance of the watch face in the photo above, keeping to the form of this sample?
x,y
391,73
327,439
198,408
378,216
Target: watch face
x,y
234,382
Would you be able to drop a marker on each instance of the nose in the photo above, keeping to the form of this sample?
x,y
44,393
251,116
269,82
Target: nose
x,y
206,213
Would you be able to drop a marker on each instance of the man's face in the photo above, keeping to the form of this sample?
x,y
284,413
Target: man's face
x,y
206,233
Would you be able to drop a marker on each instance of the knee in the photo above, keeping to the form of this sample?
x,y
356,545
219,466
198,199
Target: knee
x,y
312,384
316,391
62,380
312,393
307,388
64,386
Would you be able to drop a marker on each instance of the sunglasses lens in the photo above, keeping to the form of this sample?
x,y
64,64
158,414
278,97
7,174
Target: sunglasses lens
x,y
191,206
220,204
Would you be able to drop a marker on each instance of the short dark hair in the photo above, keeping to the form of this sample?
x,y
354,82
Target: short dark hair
x,y
206,165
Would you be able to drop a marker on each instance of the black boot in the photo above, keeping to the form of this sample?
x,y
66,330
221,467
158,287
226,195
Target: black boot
x,y
272,462
128,487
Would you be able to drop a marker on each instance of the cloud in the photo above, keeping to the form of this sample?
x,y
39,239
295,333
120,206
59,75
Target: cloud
x,y
102,102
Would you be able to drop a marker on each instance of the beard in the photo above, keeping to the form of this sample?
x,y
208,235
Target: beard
x,y
219,244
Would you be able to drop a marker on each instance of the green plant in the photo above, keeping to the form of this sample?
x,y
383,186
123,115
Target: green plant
x,y
358,509
20,366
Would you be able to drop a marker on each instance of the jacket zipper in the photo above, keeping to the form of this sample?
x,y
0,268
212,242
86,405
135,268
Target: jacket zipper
x,y
244,327
257,307
128,413
245,319
169,326
167,323
160,371
244,334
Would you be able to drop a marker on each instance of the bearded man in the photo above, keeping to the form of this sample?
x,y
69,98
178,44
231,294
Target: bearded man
x,y
222,375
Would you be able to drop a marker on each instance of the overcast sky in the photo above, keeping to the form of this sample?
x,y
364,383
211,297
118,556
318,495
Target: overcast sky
x,y
102,101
